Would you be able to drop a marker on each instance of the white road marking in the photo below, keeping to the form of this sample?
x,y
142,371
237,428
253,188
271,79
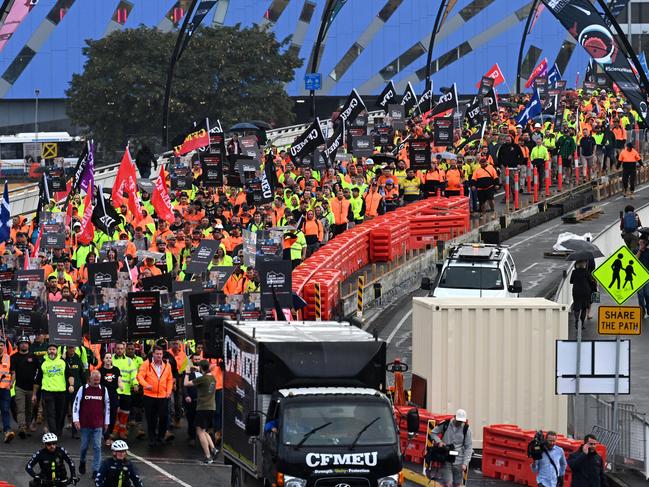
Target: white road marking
x,y
159,470
535,235
529,267
398,327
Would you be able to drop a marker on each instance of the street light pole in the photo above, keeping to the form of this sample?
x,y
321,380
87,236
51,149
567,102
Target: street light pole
x,y
37,92
522,46
316,51
429,57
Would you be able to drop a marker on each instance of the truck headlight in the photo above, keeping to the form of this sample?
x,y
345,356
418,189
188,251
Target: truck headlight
x,y
390,481
295,481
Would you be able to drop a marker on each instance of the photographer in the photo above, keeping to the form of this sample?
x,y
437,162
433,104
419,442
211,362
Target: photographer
x,y
587,466
551,467
454,434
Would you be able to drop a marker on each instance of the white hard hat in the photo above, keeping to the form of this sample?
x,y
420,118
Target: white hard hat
x,y
369,161
119,445
460,415
537,125
50,438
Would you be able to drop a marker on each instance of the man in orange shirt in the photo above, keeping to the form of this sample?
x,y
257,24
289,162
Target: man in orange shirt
x,y
629,159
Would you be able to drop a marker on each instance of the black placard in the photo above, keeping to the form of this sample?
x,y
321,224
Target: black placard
x,y
397,114
64,323
102,274
202,256
53,240
275,279
212,169
419,154
173,316
143,312
443,131
106,323
362,146
163,282
199,305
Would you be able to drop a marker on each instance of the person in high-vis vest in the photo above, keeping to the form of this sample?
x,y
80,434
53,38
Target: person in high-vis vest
x,y
54,379
485,179
156,379
128,371
629,159
410,186
137,410
313,232
342,212
374,202
453,180
5,391
358,206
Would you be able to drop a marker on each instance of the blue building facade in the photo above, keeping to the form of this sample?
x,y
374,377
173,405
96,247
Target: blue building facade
x,y
368,43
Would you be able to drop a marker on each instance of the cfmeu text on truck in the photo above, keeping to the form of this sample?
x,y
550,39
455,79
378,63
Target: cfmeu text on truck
x,y
303,407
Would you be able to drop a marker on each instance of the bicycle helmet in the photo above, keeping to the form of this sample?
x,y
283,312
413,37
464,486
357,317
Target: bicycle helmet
x,y
50,438
119,445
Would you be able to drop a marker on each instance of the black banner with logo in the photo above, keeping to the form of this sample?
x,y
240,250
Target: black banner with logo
x,y
173,316
443,131
334,143
541,85
473,114
198,305
275,278
201,256
486,84
102,274
409,99
397,114
362,146
143,312
586,25
163,282
448,101
64,323
352,107
420,154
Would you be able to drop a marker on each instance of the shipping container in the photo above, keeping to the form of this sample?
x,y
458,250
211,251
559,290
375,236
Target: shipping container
x,y
494,357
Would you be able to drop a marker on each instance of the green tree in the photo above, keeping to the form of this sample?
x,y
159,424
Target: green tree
x,y
226,73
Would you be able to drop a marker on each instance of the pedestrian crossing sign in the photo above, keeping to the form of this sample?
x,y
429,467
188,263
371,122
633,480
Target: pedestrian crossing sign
x,y
621,275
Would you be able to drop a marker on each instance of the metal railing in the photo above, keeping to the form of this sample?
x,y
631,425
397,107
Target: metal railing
x,y
627,442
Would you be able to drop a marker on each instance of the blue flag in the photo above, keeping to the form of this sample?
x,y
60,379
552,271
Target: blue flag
x,y
532,110
5,216
643,62
554,75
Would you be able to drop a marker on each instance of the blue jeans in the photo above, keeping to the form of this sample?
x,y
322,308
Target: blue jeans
x,y
96,435
5,405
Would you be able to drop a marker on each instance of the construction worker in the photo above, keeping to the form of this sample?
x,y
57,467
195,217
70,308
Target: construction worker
x,y
453,180
484,180
128,372
539,156
629,159
374,202
313,232
342,213
410,186
358,206
433,180
5,392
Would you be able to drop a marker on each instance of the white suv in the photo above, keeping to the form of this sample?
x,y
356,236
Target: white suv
x,y
476,270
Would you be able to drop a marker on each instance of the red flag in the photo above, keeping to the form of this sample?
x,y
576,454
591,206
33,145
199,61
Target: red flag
x,y
427,118
126,180
160,198
87,228
541,70
496,74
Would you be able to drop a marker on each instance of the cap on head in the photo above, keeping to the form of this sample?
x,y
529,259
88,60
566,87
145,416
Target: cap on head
x,y
460,415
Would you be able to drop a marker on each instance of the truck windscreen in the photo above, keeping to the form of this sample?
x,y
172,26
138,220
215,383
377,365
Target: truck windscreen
x,y
465,277
339,423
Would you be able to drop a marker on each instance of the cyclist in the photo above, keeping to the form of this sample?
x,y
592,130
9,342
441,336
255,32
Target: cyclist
x,y
51,461
118,471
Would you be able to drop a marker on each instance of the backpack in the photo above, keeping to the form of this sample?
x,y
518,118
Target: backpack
x,y
629,222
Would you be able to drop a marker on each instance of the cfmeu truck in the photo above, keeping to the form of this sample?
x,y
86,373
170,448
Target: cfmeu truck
x,y
303,407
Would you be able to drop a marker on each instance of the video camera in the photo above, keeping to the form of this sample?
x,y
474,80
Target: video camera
x,y
536,447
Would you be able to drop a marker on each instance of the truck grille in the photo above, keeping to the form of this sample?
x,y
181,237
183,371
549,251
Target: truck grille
x,y
342,482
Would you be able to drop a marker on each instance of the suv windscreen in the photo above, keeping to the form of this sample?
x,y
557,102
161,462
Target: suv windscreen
x,y
464,277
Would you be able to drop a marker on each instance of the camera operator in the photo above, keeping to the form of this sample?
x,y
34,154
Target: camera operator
x,y
454,434
587,466
551,467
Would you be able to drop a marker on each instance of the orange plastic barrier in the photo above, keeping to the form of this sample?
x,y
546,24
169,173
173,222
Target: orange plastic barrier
x,y
504,453
381,239
414,449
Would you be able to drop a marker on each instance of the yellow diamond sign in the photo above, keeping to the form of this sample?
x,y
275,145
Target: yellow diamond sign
x,y
621,275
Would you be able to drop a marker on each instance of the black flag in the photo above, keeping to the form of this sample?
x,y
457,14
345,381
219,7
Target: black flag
x,y
306,143
352,107
387,96
334,143
203,9
446,102
477,135
409,99
424,102
490,101
104,216
82,162
473,114
268,180
43,199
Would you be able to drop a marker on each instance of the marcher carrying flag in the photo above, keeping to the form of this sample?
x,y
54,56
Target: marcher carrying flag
x,y
5,215
533,109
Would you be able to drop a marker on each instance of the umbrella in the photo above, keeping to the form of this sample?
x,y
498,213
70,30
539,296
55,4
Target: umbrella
x,y
383,158
447,155
237,127
584,255
260,124
582,245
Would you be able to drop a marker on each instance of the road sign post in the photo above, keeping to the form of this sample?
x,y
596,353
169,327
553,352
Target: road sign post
x,y
312,81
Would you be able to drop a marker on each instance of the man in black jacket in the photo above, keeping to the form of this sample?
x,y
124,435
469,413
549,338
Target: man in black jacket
x,y
510,155
587,466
